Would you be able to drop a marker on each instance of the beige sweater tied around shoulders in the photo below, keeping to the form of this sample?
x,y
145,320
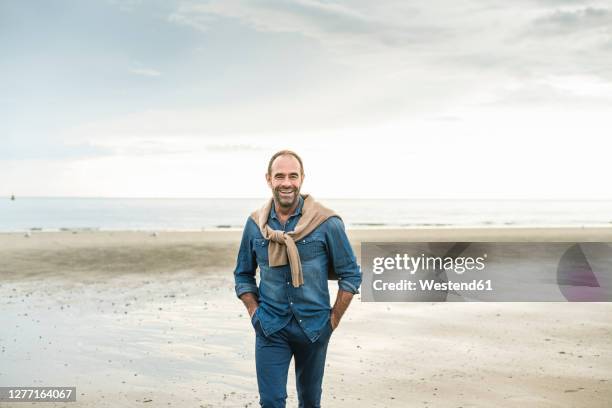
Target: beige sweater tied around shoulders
x,y
282,246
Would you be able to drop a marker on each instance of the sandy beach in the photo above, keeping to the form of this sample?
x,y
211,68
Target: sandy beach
x,y
132,318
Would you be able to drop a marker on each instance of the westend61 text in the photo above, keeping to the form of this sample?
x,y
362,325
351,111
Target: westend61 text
x,y
433,285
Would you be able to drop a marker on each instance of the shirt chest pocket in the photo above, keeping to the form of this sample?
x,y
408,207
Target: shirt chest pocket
x,y
261,250
310,248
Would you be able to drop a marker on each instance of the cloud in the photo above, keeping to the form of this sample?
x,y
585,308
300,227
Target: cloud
x,y
460,39
358,27
310,19
51,150
568,93
148,72
168,146
234,148
394,61
567,42
569,22
543,39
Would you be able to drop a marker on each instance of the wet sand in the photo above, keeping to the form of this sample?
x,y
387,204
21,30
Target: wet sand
x,y
130,318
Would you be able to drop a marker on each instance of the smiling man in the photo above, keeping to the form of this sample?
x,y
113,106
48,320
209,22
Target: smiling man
x,y
297,244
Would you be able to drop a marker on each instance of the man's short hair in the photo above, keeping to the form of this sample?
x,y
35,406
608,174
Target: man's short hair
x,y
285,153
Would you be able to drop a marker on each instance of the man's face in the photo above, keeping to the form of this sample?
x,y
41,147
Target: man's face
x,y
285,180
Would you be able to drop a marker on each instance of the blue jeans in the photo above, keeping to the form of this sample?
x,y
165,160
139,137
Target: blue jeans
x,y
272,357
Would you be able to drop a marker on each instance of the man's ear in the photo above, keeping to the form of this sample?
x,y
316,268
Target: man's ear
x,y
268,180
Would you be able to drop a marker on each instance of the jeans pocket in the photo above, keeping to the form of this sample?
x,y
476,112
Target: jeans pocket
x,y
255,323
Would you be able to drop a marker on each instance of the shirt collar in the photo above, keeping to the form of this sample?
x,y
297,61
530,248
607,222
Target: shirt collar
x,y
298,209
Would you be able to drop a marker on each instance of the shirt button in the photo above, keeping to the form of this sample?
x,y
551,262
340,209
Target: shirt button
x,y
287,283
300,320
290,303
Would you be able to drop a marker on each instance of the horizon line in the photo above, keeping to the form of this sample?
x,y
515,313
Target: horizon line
x,y
10,196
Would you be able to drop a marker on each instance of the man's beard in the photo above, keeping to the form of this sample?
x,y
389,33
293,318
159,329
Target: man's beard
x,y
282,201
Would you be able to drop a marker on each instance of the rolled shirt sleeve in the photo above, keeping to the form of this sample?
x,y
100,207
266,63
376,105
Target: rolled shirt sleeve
x,y
246,264
342,256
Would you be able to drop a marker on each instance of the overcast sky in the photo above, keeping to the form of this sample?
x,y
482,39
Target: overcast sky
x,y
428,99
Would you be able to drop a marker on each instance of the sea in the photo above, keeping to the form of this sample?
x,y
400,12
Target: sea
x,y
184,214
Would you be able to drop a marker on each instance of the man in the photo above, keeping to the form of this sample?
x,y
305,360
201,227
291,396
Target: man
x,y
295,241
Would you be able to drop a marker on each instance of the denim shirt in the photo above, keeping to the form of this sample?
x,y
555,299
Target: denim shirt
x,y
278,299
